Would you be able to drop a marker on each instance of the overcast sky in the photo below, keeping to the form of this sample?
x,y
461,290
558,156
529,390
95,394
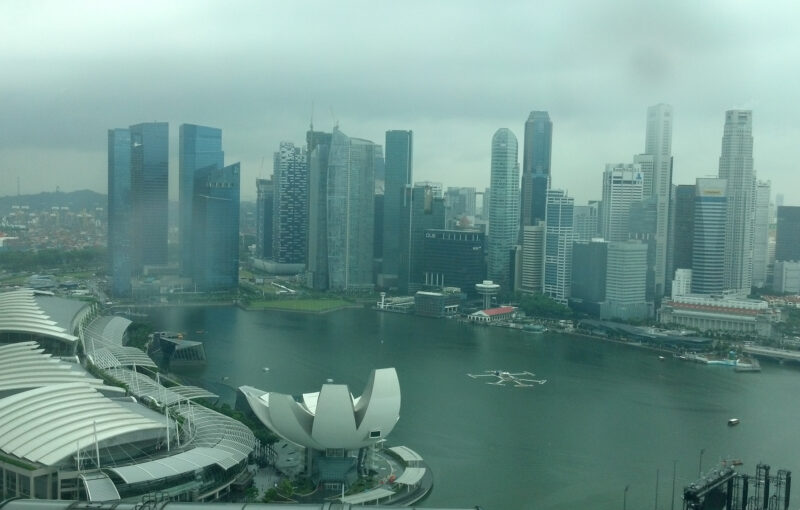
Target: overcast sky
x,y
453,72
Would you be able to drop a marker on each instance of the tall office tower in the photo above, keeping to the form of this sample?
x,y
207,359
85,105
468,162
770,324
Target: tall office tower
x,y
588,285
149,187
558,240
422,211
290,217
622,186
536,167
503,206
647,163
198,147
377,241
459,202
351,221
380,169
398,170
265,200
736,167
120,208
454,258
531,279
215,227
708,244
317,264
626,281
761,234
787,235
658,144
682,236
586,221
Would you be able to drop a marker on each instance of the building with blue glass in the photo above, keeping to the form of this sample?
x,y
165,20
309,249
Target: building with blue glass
x,y
503,206
398,175
265,199
558,241
120,211
708,242
422,210
536,167
318,148
199,147
215,229
149,190
290,206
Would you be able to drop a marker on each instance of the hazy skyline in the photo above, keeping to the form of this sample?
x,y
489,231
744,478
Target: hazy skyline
x,y
452,72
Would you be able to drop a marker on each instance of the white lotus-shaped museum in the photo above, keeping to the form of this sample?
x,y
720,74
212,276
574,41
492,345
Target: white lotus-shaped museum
x,y
332,417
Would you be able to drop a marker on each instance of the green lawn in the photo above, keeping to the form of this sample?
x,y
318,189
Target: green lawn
x,y
301,305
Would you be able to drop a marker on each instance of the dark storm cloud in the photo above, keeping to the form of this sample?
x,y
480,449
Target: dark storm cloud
x,y
452,71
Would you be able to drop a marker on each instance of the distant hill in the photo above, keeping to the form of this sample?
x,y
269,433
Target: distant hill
x,y
75,200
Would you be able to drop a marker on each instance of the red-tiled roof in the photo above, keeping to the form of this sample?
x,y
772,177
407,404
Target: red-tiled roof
x,y
499,311
716,309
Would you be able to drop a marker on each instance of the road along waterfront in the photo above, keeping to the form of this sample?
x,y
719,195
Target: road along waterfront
x,y
608,417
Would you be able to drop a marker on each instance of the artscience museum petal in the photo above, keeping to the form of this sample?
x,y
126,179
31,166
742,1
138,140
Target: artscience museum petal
x,y
332,418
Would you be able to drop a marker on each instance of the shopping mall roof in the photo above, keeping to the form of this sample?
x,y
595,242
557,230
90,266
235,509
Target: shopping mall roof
x,y
47,424
24,366
27,311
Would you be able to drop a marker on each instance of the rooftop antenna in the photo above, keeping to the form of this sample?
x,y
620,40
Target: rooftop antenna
x,y
335,121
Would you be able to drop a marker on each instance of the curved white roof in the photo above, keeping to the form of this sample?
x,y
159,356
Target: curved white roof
x,y
24,365
48,424
21,312
333,418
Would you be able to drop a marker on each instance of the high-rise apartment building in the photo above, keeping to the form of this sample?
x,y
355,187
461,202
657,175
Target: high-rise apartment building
x,y
265,200
708,244
149,188
761,233
199,147
290,216
622,187
398,174
558,242
532,267
787,235
736,167
350,207
120,212
658,144
215,227
503,206
536,167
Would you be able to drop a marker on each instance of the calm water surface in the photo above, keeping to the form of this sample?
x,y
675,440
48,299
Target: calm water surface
x,y
609,415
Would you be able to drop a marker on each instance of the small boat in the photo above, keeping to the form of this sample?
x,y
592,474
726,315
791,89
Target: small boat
x,y
265,369
733,421
661,358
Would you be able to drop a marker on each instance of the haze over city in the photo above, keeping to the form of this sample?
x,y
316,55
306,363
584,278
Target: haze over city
x,y
451,72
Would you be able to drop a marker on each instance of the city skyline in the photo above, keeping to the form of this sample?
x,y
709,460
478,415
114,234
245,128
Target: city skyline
x,y
594,96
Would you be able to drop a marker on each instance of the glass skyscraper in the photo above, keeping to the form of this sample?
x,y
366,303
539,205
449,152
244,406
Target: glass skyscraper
x,y
398,170
264,211
350,221
503,206
149,187
558,240
317,264
708,244
120,211
290,217
536,167
215,229
199,147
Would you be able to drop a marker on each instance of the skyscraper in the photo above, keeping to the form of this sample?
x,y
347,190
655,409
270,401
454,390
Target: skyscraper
x,y
658,144
503,206
736,167
120,211
622,187
683,201
317,147
290,216
265,200
761,233
350,220
198,147
422,211
531,279
787,235
536,167
398,168
626,281
454,258
215,227
708,245
558,240
149,187
586,221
